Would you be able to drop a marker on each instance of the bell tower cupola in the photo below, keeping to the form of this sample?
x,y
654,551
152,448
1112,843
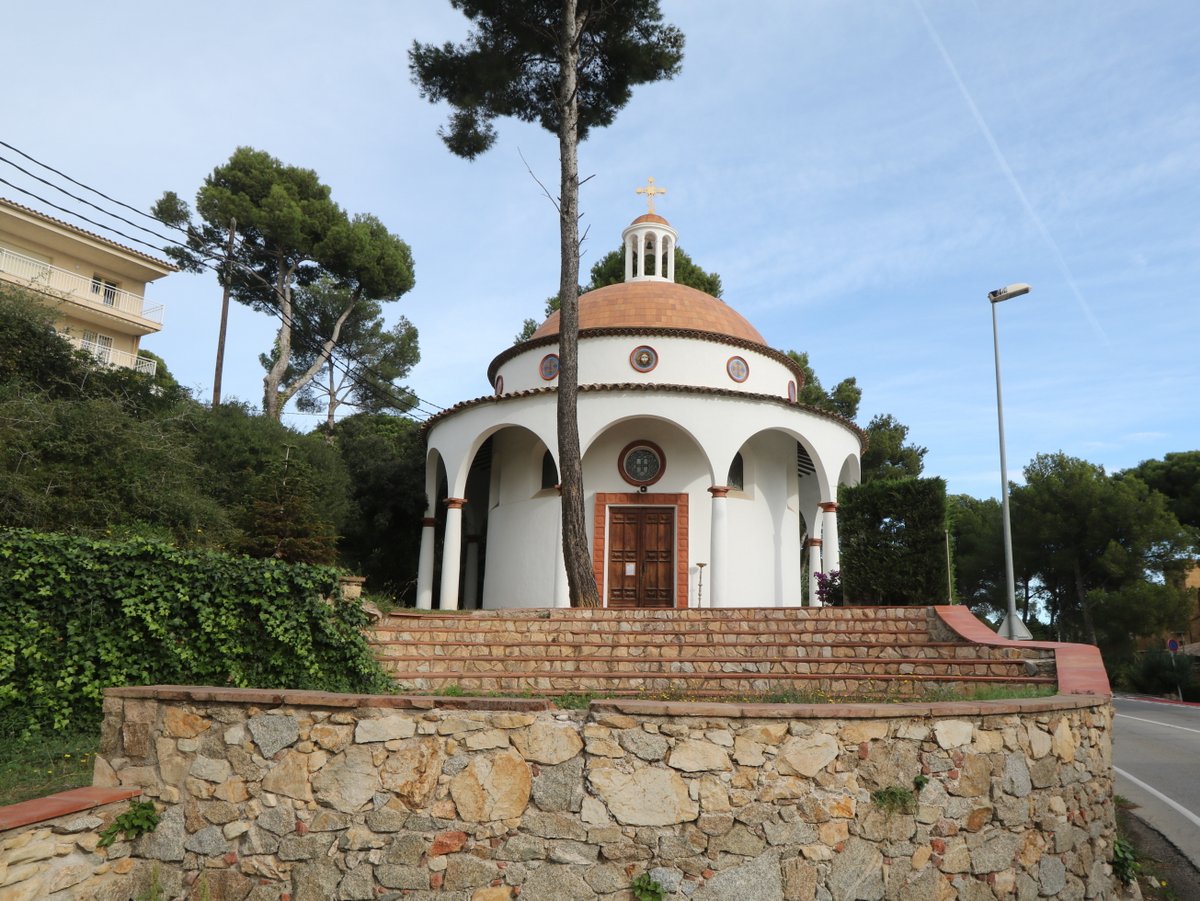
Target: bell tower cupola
x,y
649,243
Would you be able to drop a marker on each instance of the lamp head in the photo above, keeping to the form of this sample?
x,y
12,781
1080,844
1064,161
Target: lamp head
x,y
1008,292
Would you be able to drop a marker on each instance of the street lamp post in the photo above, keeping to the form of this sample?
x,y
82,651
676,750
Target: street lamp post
x,y
1012,627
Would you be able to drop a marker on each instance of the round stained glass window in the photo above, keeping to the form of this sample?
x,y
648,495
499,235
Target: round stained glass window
x,y
643,358
738,369
549,367
642,463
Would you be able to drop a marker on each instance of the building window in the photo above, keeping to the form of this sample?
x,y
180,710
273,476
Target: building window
x,y
737,474
104,289
549,471
738,369
99,346
548,368
642,463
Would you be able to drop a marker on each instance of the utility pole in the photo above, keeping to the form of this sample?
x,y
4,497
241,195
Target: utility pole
x,y
216,397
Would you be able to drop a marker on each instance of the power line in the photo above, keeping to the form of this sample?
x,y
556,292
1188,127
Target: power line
x,y
209,263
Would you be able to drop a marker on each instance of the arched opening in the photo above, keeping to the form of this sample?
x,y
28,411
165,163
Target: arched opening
x,y
549,471
736,480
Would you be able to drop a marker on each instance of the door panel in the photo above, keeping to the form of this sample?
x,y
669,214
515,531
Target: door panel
x,y
641,557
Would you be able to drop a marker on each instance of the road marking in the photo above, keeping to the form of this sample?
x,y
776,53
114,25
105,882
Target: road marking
x,y
1174,805
1126,716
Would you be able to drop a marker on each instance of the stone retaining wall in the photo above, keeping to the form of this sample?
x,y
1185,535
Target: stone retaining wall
x,y
58,858
303,796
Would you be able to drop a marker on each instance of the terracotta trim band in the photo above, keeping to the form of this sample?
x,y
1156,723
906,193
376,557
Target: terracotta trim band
x,y
455,503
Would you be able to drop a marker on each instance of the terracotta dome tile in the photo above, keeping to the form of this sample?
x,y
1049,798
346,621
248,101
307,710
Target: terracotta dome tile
x,y
655,304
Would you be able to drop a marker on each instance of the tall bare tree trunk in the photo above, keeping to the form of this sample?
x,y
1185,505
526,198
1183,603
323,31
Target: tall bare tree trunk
x,y
578,559
272,407
1085,608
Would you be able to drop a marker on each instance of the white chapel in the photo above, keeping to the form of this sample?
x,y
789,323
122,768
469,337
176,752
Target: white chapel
x,y
705,480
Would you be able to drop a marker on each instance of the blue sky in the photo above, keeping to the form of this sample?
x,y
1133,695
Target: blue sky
x,y
860,174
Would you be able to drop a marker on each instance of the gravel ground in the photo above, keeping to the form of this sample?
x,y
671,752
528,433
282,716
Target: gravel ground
x,y
1161,861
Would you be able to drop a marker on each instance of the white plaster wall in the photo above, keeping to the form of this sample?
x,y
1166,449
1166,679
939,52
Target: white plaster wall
x,y
764,526
681,361
699,435
521,554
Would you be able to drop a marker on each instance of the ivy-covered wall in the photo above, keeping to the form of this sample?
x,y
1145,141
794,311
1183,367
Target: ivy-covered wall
x,y
81,615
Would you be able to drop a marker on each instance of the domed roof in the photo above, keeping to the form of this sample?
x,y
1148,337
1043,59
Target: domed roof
x,y
658,305
650,217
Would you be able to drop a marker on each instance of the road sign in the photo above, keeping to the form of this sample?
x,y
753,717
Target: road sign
x,y
1173,645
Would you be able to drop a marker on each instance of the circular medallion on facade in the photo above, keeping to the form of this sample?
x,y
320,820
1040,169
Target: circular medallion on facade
x,y
499,385
549,367
792,391
738,369
643,358
642,463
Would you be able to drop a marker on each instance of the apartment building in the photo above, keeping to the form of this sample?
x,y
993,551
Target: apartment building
x,y
96,286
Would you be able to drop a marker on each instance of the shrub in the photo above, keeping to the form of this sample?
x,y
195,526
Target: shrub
x,y
82,615
1159,672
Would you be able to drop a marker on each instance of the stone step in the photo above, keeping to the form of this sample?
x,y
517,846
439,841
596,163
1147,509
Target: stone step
x,y
650,646
846,650
943,668
705,685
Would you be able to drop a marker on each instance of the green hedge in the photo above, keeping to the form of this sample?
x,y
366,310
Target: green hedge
x,y
893,541
79,615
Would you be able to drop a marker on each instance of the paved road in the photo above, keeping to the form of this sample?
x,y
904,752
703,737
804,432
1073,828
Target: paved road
x,y
1156,753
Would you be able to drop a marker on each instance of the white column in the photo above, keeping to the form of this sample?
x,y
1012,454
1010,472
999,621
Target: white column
x,y
829,537
425,564
452,553
718,570
471,574
670,248
641,267
814,567
562,589
629,244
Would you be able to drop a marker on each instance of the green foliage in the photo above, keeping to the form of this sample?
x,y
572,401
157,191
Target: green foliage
x,y
893,541
1159,672
919,782
645,888
1177,477
510,65
137,820
33,766
1092,539
572,701
894,799
290,233
241,458
33,352
384,457
977,527
82,615
843,399
1125,863
381,356
888,456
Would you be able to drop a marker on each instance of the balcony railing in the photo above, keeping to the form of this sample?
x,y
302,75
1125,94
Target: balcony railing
x,y
92,292
105,355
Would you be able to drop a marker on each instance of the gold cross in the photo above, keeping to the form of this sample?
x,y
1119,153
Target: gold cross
x,y
650,191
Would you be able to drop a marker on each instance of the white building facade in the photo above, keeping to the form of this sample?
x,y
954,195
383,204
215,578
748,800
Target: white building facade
x,y
705,482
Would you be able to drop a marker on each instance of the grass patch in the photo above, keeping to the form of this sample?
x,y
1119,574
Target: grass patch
x,y
895,799
45,763
927,695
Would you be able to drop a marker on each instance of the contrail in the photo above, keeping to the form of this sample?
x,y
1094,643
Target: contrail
x,y
1012,179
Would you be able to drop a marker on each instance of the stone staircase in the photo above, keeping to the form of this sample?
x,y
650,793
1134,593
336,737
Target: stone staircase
x,y
831,652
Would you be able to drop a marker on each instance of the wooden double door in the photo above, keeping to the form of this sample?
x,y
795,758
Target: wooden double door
x,y
641,557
